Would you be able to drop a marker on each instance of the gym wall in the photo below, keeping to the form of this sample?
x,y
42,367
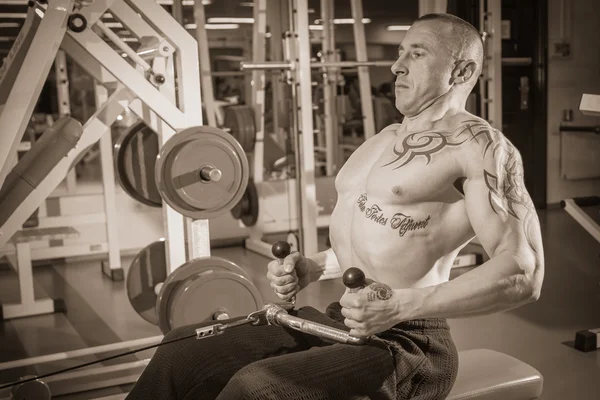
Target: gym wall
x,y
568,77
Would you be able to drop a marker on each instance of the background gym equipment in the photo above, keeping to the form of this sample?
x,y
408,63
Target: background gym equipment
x,y
135,158
589,105
248,207
201,289
487,362
146,273
202,172
239,120
205,289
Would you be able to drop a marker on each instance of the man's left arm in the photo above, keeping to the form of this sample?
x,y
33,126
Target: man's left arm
x,y
504,219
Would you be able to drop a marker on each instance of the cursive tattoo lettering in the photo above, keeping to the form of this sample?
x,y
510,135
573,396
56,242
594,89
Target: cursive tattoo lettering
x,y
379,291
399,221
405,223
374,214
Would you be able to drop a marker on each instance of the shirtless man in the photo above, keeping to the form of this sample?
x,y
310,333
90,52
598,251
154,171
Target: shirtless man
x,y
409,199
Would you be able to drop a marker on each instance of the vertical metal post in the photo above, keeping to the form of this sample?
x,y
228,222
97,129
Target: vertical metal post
x,y
495,63
206,83
483,97
329,88
276,25
177,11
64,105
109,190
259,42
364,78
491,81
305,171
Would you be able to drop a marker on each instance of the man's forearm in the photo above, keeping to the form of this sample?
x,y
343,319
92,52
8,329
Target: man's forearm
x,y
319,262
498,285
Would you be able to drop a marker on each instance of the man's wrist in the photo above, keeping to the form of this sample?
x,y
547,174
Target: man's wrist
x,y
412,303
316,266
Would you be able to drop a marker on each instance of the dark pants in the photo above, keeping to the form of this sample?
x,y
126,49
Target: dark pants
x,y
413,360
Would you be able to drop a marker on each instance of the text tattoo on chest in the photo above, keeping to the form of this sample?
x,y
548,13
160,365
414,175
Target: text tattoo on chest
x,y
399,222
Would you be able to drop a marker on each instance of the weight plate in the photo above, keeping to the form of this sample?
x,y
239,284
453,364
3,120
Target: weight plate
x,y
147,270
200,296
201,149
240,121
251,215
198,266
135,159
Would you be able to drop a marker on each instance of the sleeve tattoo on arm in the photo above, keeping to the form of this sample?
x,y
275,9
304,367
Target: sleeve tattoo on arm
x,y
507,191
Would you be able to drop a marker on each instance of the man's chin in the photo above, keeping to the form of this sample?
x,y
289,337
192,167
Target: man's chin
x,y
404,110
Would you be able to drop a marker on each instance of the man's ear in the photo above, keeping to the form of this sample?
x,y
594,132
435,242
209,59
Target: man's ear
x,y
463,71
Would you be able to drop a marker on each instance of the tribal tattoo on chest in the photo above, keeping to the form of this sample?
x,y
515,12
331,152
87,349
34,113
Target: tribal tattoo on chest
x,y
399,222
507,191
425,144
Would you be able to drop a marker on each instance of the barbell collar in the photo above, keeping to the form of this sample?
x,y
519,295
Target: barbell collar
x,y
210,174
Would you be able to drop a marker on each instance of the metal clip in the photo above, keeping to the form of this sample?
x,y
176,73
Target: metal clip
x,y
259,317
209,331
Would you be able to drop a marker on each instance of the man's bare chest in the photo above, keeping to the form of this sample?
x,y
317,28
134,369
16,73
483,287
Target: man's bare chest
x,y
407,169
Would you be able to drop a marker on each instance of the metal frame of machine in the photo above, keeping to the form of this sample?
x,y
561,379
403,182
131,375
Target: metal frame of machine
x,y
157,101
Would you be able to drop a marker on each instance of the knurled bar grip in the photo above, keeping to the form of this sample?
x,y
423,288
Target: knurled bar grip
x,y
278,316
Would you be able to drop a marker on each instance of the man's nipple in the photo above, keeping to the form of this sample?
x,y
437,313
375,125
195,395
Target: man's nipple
x,y
397,190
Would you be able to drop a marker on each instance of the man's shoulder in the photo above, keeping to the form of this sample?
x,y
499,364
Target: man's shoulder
x,y
484,145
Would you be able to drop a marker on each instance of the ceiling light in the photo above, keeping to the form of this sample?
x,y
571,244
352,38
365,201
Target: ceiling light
x,y
229,20
113,24
7,38
184,2
398,27
10,25
216,27
315,27
344,21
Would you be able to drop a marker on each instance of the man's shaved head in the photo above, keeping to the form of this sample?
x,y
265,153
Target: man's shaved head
x,y
463,40
439,61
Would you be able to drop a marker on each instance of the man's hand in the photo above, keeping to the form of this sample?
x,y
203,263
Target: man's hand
x,y
376,308
289,277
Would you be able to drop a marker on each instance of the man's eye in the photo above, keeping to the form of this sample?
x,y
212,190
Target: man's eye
x,y
417,55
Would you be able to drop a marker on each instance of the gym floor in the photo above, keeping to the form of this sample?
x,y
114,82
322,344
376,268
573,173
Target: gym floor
x,y
540,334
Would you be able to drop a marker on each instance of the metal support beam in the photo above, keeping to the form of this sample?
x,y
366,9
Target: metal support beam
x,y
364,79
305,172
31,58
206,86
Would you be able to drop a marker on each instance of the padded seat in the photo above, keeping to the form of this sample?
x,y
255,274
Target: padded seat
x,y
485,374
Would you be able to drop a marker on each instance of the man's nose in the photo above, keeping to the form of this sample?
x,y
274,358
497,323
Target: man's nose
x,y
399,68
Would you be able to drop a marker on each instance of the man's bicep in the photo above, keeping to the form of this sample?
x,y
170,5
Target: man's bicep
x,y
499,206
495,228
